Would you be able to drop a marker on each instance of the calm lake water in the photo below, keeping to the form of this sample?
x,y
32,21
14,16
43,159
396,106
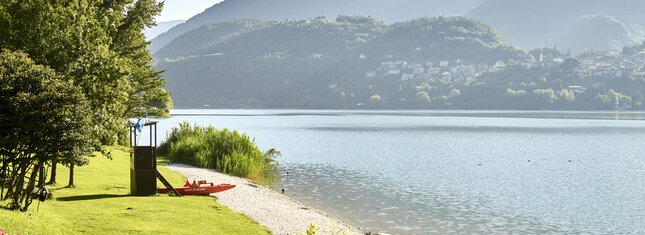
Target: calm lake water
x,y
455,172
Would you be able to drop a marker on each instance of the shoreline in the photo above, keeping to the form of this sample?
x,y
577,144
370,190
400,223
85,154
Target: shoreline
x,y
277,212
624,115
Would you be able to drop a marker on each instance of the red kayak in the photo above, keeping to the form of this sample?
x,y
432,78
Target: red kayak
x,y
199,188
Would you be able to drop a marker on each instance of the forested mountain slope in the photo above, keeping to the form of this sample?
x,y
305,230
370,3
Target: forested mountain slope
x,y
387,10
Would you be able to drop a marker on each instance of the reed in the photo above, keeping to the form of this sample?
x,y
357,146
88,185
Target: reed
x,y
224,150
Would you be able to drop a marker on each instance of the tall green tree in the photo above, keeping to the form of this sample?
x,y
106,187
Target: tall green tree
x,y
147,94
42,117
97,45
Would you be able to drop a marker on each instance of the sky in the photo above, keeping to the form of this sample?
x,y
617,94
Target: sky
x,y
183,9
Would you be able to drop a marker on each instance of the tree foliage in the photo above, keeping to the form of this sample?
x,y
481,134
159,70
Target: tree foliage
x,y
42,117
423,96
99,46
94,53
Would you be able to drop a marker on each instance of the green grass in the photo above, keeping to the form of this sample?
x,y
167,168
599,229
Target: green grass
x,y
99,205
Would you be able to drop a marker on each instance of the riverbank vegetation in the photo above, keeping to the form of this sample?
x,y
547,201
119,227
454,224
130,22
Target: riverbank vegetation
x,y
221,149
100,204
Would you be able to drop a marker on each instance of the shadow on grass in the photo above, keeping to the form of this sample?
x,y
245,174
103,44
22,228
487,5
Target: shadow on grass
x,y
90,197
53,187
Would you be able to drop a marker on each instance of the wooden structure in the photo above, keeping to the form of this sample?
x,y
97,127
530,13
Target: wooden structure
x,y
143,164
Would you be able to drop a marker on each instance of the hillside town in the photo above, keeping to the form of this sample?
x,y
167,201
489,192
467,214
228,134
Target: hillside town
x,y
590,64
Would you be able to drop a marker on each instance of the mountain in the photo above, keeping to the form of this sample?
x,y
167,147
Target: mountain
x,y
160,28
443,38
255,38
267,10
423,38
318,62
595,32
574,24
198,41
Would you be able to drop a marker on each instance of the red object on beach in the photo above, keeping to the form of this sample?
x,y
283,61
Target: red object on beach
x,y
199,188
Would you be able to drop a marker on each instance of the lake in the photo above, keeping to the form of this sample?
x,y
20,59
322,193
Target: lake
x,y
455,172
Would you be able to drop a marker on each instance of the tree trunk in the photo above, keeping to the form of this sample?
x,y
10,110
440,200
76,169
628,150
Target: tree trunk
x,y
71,175
27,197
18,184
52,178
41,176
11,177
3,177
3,169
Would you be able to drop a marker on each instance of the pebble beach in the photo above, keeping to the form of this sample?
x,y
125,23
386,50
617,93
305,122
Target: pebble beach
x,y
275,211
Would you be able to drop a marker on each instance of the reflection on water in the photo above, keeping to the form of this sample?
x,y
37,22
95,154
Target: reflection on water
x,y
456,172
379,205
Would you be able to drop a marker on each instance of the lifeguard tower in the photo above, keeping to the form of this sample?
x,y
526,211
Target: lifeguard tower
x,y
143,162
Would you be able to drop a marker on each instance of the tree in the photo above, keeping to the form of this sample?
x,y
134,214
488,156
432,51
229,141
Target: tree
x,y
423,96
615,99
510,92
52,176
69,38
43,117
547,95
98,46
376,99
567,95
147,94
454,93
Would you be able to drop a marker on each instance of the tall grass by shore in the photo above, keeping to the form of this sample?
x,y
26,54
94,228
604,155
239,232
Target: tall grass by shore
x,y
221,149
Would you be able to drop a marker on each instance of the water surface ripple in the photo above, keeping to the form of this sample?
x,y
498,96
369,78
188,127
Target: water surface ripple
x,y
456,172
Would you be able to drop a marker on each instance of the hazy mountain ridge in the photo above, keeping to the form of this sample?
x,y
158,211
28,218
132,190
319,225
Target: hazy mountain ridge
x,y
444,38
595,31
423,38
299,38
534,23
197,41
299,60
267,10
160,28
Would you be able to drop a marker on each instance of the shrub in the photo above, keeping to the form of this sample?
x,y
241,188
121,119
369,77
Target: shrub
x,y
221,149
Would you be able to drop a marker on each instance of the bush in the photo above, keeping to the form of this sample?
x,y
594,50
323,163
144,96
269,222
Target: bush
x,y
226,151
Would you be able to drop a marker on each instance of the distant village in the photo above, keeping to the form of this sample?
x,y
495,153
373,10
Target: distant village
x,y
593,64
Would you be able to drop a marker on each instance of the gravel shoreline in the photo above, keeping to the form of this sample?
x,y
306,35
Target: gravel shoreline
x,y
275,211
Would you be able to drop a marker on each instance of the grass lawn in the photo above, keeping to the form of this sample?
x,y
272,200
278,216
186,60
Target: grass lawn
x,y
100,204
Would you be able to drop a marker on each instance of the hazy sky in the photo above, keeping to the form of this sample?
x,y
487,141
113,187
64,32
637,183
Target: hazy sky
x,y
183,9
